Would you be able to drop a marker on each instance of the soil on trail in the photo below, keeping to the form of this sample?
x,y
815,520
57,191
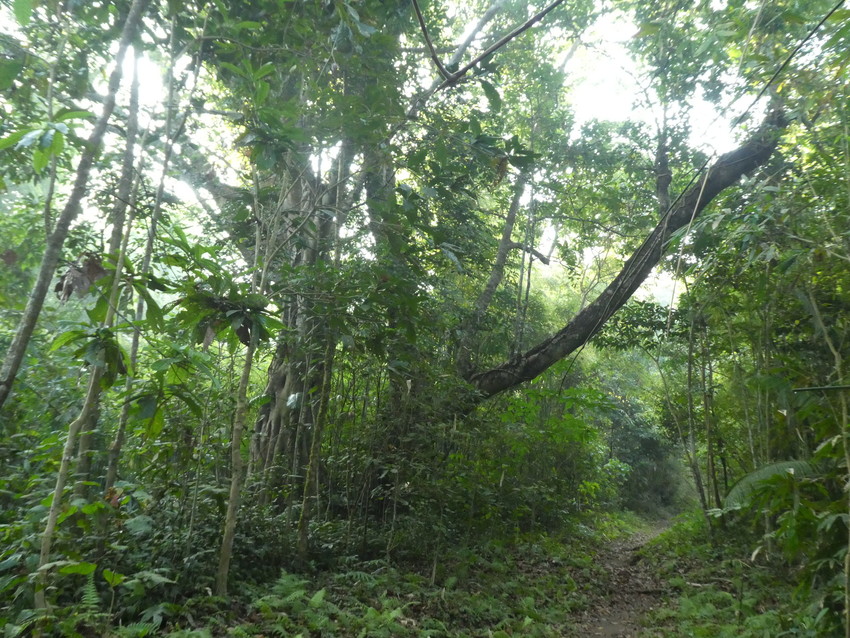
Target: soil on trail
x,y
625,588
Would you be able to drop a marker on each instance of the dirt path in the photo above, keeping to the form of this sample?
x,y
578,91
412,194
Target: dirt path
x,y
624,589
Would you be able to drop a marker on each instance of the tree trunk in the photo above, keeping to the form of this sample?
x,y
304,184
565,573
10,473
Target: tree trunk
x,y
139,313
236,475
311,482
692,446
61,479
497,273
53,250
118,242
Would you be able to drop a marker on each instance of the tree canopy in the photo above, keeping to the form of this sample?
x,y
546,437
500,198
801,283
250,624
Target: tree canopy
x,y
363,274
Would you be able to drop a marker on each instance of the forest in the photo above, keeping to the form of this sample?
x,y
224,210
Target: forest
x,y
424,318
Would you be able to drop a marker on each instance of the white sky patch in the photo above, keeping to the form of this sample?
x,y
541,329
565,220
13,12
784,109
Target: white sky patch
x,y
661,288
603,86
601,76
152,93
150,79
10,24
323,161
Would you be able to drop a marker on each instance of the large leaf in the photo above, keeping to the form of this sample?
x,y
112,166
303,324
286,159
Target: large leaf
x,y
23,11
493,96
742,492
78,568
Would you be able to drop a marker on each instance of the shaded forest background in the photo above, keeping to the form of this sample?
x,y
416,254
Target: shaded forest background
x,y
291,285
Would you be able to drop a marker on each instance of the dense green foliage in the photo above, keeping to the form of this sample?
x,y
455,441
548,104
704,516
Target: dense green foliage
x,y
284,247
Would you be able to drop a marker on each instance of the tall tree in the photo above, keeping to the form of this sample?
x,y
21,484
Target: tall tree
x,y
15,353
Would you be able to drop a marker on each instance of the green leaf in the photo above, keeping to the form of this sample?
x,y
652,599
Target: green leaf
x,y
743,491
156,424
67,337
40,159
153,313
647,29
364,29
78,568
23,11
29,138
11,561
56,563
9,70
190,403
139,525
113,578
144,407
262,93
352,12
446,249
90,508
58,143
152,578
177,374
68,512
234,69
493,96
98,313
14,138
256,301
46,140
317,598
264,70
64,116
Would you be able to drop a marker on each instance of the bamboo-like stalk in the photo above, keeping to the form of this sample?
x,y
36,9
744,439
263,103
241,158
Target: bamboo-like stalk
x,y
61,479
138,315
311,480
838,366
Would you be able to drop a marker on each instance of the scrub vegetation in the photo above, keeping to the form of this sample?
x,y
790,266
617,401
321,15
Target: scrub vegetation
x,y
344,318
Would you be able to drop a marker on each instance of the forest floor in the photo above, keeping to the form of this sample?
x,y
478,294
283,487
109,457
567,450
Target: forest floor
x,y
627,586
596,582
622,578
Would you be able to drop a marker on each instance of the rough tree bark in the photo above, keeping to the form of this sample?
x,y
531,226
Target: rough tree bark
x,y
725,172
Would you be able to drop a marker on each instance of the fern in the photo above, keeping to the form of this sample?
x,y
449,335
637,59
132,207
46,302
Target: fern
x,y
91,599
355,577
25,620
289,584
747,486
137,630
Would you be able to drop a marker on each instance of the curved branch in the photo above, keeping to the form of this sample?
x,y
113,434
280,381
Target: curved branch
x,y
436,58
515,245
728,169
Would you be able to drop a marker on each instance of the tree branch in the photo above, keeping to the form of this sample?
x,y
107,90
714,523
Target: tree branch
x,y
499,44
436,58
728,169
540,256
461,49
